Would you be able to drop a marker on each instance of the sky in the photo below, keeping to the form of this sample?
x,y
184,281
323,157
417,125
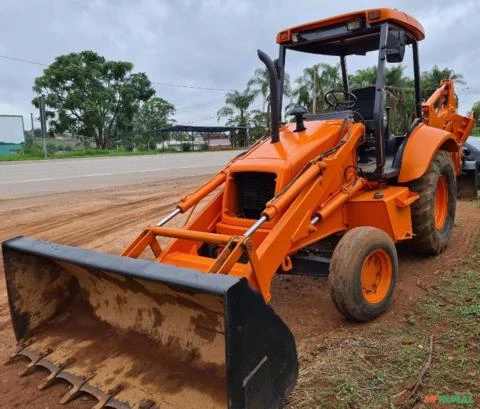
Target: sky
x,y
197,44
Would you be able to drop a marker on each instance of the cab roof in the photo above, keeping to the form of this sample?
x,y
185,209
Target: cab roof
x,y
334,28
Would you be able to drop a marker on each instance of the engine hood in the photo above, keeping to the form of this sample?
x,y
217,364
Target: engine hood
x,y
294,149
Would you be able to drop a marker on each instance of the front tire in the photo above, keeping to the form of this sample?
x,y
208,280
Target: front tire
x,y
433,214
363,273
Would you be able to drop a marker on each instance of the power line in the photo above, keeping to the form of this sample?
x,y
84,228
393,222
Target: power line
x,y
163,84
6,57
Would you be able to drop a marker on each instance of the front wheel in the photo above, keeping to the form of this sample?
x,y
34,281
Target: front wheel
x,y
433,214
363,273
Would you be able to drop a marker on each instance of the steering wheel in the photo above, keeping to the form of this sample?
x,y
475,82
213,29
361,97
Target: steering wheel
x,y
332,100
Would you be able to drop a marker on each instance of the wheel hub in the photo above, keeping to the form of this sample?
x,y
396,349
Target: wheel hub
x,y
376,276
441,202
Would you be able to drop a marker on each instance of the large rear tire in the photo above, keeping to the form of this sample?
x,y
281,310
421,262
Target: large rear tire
x,y
363,273
433,214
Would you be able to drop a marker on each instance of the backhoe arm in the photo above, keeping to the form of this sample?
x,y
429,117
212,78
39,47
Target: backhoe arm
x,y
440,111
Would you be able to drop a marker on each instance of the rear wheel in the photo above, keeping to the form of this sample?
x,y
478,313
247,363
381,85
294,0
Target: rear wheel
x,y
433,214
363,273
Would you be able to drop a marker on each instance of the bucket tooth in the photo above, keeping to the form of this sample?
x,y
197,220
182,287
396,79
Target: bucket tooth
x,y
104,400
35,360
12,358
53,375
18,353
76,389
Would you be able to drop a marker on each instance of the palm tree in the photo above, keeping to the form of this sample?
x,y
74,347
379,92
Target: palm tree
x,y
313,83
303,89
476,112
236,112
363,77
400,97
330,76
259,84
399,90
431,79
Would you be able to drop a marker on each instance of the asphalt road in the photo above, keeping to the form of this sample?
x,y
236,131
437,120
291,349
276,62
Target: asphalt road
x,y
31,178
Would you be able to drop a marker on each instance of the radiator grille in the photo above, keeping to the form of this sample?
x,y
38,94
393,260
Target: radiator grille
x,y
255,189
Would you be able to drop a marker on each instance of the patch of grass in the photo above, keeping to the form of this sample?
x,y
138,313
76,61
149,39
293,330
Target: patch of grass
x,y
81,153
375,365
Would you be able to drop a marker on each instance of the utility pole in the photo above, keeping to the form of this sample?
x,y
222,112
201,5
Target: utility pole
x,y
314,102
43,122
33,130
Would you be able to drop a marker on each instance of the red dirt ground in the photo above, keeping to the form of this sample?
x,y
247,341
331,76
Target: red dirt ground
x,y
108,219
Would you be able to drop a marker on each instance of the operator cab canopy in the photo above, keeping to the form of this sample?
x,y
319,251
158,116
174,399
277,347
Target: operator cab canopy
x,y
347,34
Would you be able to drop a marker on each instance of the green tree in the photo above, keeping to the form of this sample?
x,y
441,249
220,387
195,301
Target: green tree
x,y
314,83
400,98
476,112
152,115
237,113
431,79
91,96
259,85
400,93
363,78
257,128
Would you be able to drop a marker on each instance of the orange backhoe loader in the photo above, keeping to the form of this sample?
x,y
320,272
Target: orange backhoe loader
x,y
192,327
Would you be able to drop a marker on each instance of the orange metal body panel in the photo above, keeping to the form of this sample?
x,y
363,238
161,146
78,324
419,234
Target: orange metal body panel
x,y
283,159
371,16
390,212
422,145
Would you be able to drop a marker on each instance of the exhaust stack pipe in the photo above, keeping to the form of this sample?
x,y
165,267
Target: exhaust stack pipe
x,y
274,97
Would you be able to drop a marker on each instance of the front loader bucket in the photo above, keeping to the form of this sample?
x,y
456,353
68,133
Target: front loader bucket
x,y
140,334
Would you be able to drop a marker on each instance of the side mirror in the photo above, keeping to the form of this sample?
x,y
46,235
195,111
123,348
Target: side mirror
x,y
395,45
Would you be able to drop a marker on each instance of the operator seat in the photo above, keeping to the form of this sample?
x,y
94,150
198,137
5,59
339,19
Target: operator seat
x,y
365,104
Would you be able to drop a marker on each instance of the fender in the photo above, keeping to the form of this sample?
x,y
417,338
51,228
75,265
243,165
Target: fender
x,y
424,142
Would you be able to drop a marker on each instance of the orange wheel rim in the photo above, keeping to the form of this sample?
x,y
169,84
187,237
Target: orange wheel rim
x,y
376,276
441,202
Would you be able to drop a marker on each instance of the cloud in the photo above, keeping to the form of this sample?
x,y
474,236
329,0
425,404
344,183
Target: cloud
x,y
209,43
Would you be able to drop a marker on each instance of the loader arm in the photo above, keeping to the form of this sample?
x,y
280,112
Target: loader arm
x,y
316,193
